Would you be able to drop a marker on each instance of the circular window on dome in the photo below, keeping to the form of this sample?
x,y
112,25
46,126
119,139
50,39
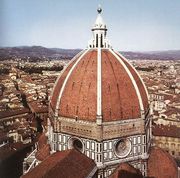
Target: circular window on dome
x,y
76,143
122,148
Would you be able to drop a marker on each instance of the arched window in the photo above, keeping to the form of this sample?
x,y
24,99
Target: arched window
x,y
76,143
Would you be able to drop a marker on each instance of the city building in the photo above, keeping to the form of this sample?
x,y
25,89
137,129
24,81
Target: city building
x,y
167,137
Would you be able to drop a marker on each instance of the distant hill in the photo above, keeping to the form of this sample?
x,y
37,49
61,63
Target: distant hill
x,y
39,52
153,55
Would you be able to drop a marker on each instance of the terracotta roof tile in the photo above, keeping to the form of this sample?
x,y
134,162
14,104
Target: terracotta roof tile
x,y
161,164
166,130
119,98
124,170
59,84
139,84
4,114
79,96
69,164
38,107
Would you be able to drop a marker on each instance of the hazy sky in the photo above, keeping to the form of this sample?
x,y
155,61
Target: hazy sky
x,y
132,24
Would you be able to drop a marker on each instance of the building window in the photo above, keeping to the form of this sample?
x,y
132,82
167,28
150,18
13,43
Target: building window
x,y
54,137
105,146
143,167
139,166
60,147
105,174
173,145
60,138
97,158
139,140
57,147
110,154
134,140
54,147
64,138
139,149
76,143
144,149
110,145
122,147
166,145
109,172
93,156
100,157
100,147
97,147
173,153
134,149
93,145
105,155
144,139
87,145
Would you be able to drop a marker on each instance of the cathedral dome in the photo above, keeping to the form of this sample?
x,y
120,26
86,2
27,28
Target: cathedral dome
x,y
121,95
99,83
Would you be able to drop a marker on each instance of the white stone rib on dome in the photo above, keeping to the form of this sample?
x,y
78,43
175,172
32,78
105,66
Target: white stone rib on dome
x,y
132,80
66,79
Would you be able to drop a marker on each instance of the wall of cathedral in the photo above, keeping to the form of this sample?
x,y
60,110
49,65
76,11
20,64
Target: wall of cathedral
x,y
104,153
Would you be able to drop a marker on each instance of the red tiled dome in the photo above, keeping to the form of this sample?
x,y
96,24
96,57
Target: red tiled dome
x,y
123,94
161,164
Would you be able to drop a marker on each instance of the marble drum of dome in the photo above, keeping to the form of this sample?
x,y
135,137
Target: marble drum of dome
x,y
122,148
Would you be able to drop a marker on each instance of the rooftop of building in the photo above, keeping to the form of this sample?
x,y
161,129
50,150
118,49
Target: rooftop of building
x,y
125,170
10,113
166,130
69,163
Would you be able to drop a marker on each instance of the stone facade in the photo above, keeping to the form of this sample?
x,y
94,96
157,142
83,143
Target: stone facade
x,y
99,142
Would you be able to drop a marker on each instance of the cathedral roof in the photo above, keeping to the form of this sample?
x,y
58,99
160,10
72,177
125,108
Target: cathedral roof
x,y
122,92
99,83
